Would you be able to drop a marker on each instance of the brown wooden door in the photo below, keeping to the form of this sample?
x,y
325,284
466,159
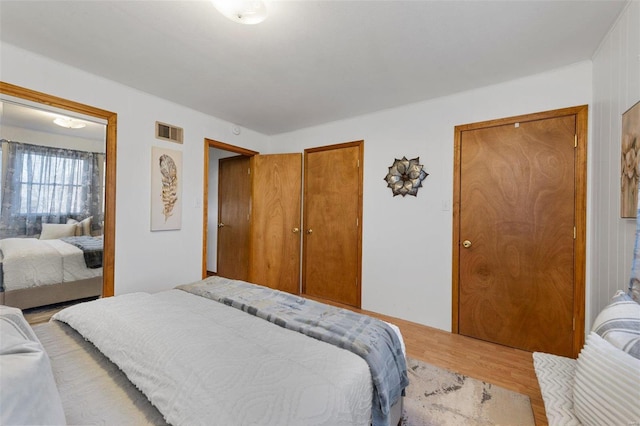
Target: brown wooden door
x,y
332,217
234,204
517,218
275,221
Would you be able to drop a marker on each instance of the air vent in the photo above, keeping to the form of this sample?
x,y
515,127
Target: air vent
x,y
168,132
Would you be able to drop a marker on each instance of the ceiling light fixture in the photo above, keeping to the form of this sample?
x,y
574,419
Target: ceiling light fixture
x,y
69,123
243,11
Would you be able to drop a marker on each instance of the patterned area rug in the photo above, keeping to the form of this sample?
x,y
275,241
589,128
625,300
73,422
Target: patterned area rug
x,y
436,396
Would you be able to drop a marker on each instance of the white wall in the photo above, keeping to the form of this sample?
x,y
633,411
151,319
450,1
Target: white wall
x,y
407,241
616,87
145,260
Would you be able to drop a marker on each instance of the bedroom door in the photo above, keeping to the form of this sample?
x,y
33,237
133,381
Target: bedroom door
x,y
519,231
274,254
234,215
332,241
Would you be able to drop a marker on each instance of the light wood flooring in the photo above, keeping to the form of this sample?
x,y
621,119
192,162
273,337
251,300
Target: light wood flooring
x,y
507,367
500,365
44,313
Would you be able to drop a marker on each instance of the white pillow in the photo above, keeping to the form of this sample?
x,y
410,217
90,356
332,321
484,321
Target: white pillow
x,y
619,324
78,229
51,231
29,394
85,226
606,390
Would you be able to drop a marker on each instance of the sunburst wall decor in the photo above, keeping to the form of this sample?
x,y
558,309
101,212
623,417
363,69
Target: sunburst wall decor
x,y
405,176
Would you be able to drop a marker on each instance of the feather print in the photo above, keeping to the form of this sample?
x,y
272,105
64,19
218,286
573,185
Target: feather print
x,y
169,173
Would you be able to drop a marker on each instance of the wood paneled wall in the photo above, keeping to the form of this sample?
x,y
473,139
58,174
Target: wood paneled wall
x,y
616,87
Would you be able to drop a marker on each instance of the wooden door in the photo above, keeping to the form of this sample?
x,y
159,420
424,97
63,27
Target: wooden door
x,y
332,218
275,221
518,262
234,204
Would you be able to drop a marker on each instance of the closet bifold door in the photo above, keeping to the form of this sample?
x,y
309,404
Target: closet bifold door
x,y
332,248
274,245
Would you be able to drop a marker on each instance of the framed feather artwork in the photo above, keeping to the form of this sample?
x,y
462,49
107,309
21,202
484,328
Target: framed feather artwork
x,y
630,164
166,189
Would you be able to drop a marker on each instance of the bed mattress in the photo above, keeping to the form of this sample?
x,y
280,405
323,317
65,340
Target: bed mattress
x,y
93,390
30,262
207,363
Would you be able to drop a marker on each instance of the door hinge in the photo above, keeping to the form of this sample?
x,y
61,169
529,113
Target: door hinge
x,y
358,163
248,171
575,141
574,233
357,222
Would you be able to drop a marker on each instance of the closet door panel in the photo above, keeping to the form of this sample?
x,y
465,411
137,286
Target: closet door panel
x,y
332,232
275,224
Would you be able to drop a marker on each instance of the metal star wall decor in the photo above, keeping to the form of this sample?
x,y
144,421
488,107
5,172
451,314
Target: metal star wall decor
x,y
405,176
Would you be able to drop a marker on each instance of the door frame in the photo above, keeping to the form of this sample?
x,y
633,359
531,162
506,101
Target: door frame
x,y
109,230
581,113
360,145
210,143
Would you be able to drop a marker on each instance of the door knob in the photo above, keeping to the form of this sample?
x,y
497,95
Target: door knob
x,y
221,225
309,231
466,243
295,230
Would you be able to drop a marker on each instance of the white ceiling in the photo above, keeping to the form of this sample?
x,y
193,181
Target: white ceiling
x,y
28,115
310,62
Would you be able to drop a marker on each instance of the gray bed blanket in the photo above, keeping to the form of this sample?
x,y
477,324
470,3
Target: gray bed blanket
x,y
91,247
370,338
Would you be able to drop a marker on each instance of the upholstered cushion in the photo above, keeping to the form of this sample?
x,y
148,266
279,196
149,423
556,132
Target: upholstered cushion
x,y
607,385
619,324
28,395
51,231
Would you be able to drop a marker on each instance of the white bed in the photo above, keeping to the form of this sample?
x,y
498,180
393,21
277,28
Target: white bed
x,y
40,272
199,361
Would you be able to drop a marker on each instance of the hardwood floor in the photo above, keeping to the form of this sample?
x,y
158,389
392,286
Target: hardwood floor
x,y
44,313
500,365
496,364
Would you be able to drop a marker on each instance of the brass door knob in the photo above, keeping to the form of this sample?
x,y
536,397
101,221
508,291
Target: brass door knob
x,y
295,230
221,225
309,231
466,243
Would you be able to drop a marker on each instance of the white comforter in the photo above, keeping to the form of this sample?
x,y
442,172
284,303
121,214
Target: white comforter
x,y
201,362
30,262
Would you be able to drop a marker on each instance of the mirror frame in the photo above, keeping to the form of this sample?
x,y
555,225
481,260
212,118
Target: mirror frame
x,y
108,260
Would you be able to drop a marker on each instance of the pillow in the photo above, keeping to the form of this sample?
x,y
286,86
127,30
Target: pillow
x,y
78,230
85,226
607,385
51,231
29,393
619,324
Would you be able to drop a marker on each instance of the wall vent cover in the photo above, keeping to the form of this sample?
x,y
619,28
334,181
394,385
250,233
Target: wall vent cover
x,y
168,132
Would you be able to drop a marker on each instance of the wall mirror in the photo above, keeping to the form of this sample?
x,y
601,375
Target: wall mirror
x,y
57,199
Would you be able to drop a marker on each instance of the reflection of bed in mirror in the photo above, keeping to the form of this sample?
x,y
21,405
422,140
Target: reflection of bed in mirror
x,y
37,272
51,206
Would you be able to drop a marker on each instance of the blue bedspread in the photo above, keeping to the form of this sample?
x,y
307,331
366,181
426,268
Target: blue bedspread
x,y
370,338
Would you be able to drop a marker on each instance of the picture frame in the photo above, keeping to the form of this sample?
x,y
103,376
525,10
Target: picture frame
x,y
166,189
630,165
